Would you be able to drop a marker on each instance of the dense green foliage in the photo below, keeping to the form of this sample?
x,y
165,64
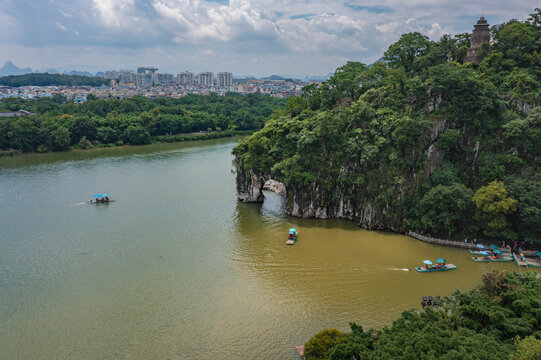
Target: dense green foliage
x,y
501,318
45,79
415,143
59,125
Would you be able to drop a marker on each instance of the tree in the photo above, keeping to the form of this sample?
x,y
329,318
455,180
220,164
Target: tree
x,y
528,216
137,135
493,207
318,346
445,209
407,49
60,139
528,348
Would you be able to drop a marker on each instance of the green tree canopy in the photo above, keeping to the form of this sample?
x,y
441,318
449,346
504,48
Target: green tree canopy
x,y
493,206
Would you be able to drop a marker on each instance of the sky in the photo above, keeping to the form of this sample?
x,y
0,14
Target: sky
x,y
245,37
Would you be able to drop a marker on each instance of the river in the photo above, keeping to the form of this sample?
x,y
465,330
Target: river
x,y
176,268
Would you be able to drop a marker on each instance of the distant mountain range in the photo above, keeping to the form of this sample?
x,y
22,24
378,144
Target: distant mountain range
x,y
10,68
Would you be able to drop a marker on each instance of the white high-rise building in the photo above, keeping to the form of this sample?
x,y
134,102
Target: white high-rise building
x,y
206,78
128,77
164,79
185,78
225,79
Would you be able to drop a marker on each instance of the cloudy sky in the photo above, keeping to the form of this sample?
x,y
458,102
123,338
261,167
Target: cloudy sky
x,y
246,37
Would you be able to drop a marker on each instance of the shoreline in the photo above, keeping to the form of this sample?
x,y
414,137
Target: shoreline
x,y
156,139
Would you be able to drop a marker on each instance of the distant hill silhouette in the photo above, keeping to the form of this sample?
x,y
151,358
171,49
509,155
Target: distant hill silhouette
x,y
274,77
10,68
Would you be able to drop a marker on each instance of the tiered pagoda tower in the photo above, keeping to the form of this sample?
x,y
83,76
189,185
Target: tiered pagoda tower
x,y
480,35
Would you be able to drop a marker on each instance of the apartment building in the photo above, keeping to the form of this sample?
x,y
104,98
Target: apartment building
x,y
185,78
225,79
206,78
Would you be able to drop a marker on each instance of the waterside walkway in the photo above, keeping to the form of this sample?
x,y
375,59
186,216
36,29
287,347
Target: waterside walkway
x,y
460,244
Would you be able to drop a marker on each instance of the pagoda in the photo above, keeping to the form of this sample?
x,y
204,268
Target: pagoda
x,y
480,35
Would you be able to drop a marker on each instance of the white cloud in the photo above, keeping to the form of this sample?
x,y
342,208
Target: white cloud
x,y
113,12
60,26
246,36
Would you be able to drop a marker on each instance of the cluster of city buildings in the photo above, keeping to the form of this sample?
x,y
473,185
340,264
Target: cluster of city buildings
x,y
146,77
118,90
148,82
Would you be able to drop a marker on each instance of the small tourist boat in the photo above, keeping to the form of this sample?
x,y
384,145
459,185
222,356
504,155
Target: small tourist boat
x,y
496,255
534,262
527,262
101,199
520,261
492,259
479,252
292,235
441,265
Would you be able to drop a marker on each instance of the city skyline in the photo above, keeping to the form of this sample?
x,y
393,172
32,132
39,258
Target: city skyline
x,y
255,37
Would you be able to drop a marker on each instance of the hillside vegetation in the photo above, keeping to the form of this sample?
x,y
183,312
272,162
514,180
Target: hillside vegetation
x,y
60,125
420,142
498,320
46,79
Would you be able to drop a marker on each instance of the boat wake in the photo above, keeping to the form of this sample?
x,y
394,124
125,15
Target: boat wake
x,y
398,269
81,203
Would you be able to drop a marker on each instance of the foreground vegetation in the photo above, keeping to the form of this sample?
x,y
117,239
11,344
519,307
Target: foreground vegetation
x,y
60,125
501,319
45,79
420,142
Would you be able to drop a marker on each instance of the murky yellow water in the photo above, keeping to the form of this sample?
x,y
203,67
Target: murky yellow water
x,y
177,269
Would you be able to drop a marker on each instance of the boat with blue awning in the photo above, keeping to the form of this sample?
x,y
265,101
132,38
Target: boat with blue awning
x,y
292,235
441,265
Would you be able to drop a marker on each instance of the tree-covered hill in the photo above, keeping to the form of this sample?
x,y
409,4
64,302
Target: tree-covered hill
x,y
60,125
421,142
46,79
499,320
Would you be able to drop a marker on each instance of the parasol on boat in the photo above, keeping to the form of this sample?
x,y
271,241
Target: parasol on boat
x,y
104,195
441,260
97,195
480,246
494,247
428,262
497,252
484,253
292,231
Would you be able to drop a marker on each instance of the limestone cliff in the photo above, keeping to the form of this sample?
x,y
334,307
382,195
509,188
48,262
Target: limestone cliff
x,y
375,209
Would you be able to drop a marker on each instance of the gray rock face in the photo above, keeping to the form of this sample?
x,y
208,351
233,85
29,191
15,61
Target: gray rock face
x,y
303,204
381,207
275,186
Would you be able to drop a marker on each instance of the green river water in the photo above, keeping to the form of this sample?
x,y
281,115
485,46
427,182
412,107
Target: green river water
x,y
176,268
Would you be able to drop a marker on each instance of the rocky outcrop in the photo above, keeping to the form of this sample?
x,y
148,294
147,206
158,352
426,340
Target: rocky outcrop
x,y
374,204
275,186
249,184
363,212
304,204
249,187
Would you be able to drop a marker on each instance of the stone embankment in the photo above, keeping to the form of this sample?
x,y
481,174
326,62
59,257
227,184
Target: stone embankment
x,y
460,244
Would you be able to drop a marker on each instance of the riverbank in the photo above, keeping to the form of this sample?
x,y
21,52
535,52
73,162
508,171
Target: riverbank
x,y
156,139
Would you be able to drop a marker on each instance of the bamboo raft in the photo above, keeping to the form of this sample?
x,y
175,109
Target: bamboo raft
x,y
488,258
533,262
518,261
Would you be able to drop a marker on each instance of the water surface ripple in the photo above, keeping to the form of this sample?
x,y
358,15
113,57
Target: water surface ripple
x,y
177,269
